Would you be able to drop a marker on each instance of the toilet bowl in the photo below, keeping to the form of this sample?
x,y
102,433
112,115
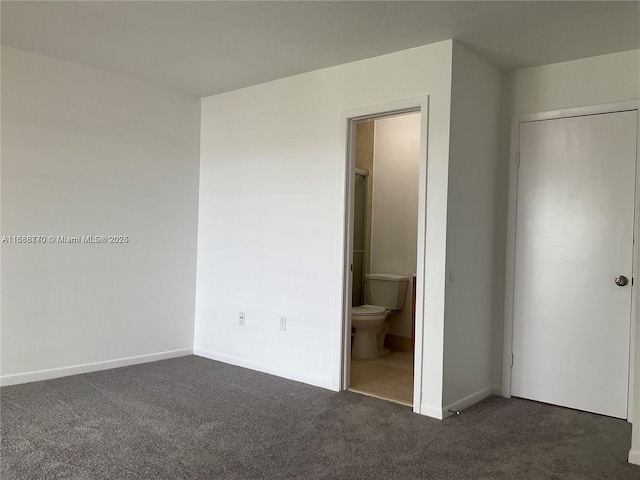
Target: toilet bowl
x,y
370,324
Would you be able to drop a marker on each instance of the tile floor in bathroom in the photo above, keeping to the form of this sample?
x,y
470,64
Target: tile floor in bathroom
x,y
389,377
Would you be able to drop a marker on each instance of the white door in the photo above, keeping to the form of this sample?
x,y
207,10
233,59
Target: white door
x,y
574,236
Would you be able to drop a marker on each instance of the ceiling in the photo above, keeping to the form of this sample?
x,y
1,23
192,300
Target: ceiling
x,y
209,47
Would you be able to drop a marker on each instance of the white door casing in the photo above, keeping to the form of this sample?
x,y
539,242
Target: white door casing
x,y
347,120
573,236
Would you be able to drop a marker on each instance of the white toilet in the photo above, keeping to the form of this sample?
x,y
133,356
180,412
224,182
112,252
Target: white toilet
x,y
386,292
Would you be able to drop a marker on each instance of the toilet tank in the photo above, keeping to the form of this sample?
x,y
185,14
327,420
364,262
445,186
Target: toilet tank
x,y
387,290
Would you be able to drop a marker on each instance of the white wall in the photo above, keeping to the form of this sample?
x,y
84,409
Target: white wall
x,y
86,152
590,81
272,205
394,224
471,230
602,79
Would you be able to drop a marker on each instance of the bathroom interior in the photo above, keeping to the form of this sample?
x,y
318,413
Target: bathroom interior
x,y
385,256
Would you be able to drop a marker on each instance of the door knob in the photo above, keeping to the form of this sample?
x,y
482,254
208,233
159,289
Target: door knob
x,y
621,280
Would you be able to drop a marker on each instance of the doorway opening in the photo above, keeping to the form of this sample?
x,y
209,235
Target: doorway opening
x,y
383,246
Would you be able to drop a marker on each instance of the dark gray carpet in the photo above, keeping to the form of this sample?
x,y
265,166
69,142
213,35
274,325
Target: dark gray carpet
x,y
194,418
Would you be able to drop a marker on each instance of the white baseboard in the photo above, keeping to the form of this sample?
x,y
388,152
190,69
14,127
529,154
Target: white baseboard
x,y
431,411
634,457
260,367
442,413
496,390
467,401
36,376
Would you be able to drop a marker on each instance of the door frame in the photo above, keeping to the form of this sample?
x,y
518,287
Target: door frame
x,y
348,120
634,332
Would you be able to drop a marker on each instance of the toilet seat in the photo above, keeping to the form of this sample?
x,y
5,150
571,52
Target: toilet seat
x,y
367,311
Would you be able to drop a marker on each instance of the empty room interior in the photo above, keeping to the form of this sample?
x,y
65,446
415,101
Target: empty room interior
x,y
319,240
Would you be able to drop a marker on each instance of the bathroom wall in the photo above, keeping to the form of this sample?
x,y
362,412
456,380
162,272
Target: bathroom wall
x,y
394,230
85,152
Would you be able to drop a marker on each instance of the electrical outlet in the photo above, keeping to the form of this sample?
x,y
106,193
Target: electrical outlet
x,y
283,323
241,319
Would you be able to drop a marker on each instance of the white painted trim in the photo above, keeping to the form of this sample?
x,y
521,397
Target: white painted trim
x,y
418,350
510,260
496,390
467,401
38,375
634,457
348,139
634,329
347,120
261,367
432,411
511,234
578,111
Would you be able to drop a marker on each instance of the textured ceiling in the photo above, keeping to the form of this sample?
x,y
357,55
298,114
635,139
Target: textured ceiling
x,y
205,48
